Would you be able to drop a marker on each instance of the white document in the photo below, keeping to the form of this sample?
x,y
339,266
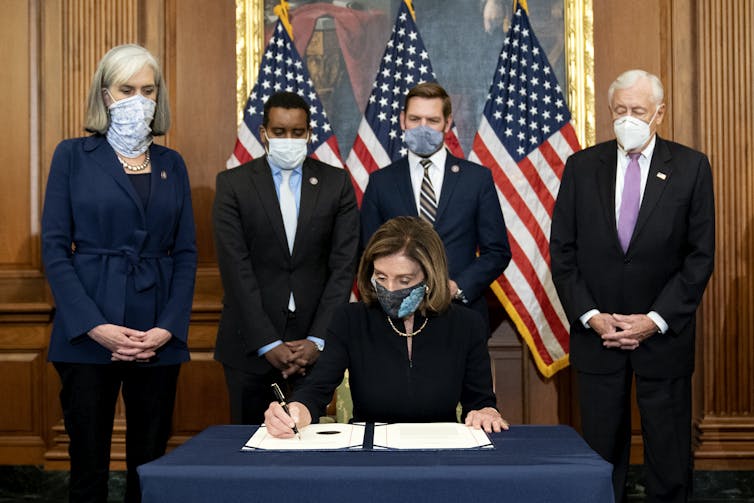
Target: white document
x,y
429,436
315,437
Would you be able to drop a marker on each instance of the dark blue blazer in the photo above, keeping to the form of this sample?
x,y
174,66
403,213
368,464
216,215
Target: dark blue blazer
x,y
109,259
468,218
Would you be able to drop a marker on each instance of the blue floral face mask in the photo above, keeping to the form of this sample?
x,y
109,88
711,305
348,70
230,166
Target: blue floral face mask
x,y
400,303
423,140
130,133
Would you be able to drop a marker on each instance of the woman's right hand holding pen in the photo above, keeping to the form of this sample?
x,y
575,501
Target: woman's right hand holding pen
x,y
280,425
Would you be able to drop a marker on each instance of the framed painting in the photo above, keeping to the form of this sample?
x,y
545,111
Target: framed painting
x,y
463,38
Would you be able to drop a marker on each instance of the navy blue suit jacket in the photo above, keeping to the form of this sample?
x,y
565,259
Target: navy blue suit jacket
x,y
469,218
665,269
109,259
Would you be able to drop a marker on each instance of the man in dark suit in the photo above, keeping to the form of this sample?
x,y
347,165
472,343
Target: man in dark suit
x,y
286,229
458,197
632,246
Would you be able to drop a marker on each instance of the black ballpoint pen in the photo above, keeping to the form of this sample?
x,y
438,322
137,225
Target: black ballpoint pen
x,y
281,398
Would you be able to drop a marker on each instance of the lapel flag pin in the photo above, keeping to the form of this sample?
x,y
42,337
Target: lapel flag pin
x,y
163,175
313,180
661,175
455,168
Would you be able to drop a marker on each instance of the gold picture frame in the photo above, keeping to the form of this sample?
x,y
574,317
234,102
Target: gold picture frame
x,y
579,57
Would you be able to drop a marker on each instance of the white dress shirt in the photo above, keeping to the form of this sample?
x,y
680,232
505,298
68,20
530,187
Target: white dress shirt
x,y
436,174
644,161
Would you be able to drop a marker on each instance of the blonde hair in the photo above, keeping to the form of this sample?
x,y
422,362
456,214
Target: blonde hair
x,y
116,67
417,240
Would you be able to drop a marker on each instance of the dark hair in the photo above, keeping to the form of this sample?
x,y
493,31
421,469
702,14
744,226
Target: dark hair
x,y
417,240
286,99
430,90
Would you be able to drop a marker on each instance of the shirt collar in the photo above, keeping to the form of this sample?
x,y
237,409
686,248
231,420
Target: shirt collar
x,y
276,171
438,158
647,152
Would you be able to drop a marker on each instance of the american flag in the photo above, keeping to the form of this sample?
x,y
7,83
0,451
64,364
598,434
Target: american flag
x,y
525,137
379,140
282,69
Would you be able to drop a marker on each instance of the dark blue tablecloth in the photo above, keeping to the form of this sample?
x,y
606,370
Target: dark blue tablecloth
x,y
528,464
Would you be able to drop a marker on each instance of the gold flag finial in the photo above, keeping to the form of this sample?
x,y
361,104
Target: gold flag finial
x,y
410,8
522,3
281,11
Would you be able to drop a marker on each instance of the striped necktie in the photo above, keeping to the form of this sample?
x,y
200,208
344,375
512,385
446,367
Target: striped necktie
x,y
427,199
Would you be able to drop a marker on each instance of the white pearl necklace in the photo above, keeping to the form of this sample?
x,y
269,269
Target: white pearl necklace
x,y
138,167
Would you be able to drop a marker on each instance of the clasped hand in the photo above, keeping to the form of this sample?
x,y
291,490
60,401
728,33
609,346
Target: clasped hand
x,y
126,344
293,357
623,331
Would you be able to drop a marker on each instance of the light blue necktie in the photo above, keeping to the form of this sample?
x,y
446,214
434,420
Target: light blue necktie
x,y
290,217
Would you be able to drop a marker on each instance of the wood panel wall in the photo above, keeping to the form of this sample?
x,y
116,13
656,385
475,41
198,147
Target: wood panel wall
x,y
24,307
702,50
726,49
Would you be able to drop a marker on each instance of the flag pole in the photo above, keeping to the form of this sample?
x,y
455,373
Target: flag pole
x,y
281,11
410,8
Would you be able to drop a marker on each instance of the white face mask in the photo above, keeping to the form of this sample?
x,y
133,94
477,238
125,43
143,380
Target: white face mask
x,y
130,133
287,153
632,132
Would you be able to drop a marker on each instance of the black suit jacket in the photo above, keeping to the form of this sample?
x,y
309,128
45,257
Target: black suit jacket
x,y
468,219
449,364
665,269
258,272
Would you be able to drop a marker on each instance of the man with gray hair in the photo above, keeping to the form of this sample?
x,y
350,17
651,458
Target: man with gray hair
x,y
632,246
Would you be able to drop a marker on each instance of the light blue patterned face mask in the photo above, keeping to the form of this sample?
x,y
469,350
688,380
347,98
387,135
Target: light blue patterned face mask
x,y
400,303
130,133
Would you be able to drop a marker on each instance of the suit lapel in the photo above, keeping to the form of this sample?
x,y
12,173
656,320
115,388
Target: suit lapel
x,y
260,177
449,182
160,180
405,189
105,156
660,169
310,186
606,186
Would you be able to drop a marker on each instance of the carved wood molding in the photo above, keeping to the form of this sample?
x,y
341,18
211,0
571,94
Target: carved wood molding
x,y
725,443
